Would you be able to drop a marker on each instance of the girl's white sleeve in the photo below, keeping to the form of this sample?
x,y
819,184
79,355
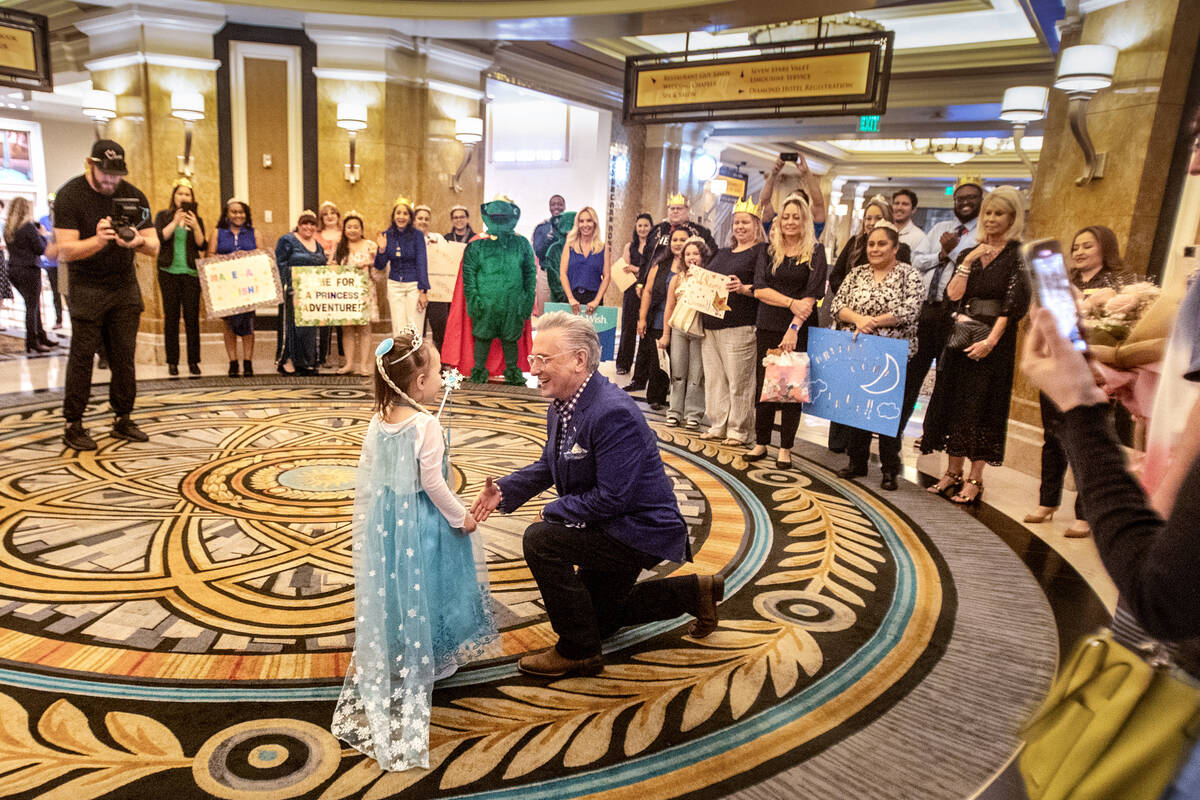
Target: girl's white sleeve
x,y
430,457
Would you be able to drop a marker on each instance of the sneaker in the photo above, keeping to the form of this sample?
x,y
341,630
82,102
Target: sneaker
x,y
125,428
75,436
672,422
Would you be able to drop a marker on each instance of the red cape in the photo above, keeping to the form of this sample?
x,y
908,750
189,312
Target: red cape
x,y
458,346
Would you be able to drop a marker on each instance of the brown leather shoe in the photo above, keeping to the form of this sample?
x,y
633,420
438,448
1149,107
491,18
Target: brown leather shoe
x,y
712,591
549,663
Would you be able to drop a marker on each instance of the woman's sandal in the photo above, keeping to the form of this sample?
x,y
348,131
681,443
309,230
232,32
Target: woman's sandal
x,y
1041,516
962,499
1078,530
947,489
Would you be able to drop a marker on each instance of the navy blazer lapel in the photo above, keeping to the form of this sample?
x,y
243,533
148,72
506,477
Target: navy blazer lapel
x,y
582,405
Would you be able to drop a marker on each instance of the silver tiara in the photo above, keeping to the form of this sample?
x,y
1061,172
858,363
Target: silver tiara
x,y
386,347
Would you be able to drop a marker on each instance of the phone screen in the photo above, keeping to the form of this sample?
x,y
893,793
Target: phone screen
x,y
1055,295
789,156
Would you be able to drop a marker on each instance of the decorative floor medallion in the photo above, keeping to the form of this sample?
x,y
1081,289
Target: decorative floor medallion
x,y
192,597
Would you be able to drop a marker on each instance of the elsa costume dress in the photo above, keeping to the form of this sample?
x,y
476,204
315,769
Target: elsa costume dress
x,y
421,603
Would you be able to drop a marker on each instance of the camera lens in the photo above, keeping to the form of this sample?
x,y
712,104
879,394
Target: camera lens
x,y
127,233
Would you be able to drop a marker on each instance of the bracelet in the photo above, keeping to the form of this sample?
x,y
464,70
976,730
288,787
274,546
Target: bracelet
x,y
962,272
793,327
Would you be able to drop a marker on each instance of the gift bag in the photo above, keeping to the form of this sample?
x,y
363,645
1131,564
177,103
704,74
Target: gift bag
x,y
785,379
664,359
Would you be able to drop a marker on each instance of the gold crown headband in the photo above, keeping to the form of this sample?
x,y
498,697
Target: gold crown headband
x,y
403,201
677,200
747,207
969,180
184,182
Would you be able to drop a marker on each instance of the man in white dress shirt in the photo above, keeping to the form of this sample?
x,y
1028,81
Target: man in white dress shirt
x,y
935,258
904,203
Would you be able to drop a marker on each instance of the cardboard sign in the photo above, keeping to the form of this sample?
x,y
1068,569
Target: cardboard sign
x,y
443,260
237,282
706,291
604,320
331,295
857,382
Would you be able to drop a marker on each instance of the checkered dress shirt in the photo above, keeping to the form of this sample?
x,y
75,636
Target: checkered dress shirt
x,y
566,409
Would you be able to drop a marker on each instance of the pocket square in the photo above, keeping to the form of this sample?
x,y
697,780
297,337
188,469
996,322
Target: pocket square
x,y
576,451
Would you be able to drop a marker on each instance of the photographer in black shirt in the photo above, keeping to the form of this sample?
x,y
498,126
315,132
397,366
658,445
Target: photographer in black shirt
x,y
98,220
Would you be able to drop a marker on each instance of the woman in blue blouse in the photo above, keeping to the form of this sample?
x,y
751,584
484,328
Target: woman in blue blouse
x,y
402,254
297,350
235,232
583,268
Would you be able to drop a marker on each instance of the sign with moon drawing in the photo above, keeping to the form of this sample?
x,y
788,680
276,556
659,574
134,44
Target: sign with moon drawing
x,y
857,381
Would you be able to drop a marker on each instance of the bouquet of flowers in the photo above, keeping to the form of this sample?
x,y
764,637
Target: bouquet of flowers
x,y
1109,315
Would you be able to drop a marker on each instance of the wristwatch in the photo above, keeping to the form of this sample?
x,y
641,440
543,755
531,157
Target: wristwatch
x,y
793,327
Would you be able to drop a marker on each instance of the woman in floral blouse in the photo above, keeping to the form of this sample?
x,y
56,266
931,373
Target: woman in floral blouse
x,y
883,298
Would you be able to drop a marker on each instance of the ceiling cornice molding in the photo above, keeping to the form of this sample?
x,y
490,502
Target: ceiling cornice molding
x,y
336,36
553,80
102,23
154,59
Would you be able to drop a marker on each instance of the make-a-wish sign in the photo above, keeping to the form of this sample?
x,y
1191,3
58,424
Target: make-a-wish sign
x,y
857,381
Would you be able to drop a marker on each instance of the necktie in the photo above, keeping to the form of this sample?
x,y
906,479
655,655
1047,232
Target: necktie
x,y
935,284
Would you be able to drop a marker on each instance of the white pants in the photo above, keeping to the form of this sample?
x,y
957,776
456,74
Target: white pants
x,y
728,355
402,303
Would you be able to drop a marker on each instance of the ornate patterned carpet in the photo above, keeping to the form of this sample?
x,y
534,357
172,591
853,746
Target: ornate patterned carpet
x,y
176,618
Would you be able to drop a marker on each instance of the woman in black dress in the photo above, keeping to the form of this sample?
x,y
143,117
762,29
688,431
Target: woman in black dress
x,y
968,413
788,284
651,322
637,250
25,246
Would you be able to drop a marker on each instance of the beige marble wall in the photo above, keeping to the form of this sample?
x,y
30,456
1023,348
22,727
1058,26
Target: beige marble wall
x,y
1135,121
625,191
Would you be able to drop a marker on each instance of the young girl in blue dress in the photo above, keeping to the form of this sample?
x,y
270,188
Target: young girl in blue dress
x,y
422,605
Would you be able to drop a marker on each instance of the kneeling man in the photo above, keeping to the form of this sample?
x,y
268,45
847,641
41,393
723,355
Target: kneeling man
x,y
615,515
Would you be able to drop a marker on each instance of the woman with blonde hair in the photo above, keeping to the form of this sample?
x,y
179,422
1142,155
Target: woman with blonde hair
x,y
968,413
329,234
25,245
788,284
728,345
583,266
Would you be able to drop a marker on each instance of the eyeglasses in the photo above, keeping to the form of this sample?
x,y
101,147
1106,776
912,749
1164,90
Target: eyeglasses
x,y
539,361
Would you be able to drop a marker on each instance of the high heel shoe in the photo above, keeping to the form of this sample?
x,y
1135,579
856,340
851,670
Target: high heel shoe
x,y
947,490
970,501
37,347
1041,516
754,456
1079,530
283,371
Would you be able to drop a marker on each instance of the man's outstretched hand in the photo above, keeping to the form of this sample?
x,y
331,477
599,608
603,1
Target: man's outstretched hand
x,y
486,502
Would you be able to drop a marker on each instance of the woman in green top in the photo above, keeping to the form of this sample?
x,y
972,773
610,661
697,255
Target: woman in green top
x,y
181,239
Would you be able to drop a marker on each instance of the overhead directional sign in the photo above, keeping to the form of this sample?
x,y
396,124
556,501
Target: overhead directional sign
x,y
836,75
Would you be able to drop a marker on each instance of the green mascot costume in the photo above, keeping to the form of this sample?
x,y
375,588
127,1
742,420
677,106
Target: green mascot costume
x,y
562,226
499,276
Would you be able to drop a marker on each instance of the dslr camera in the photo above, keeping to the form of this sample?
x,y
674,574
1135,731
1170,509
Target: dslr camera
x,y
128,213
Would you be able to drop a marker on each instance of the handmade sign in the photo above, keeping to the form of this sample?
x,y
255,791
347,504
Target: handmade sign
x,y
443,260
237,282
331,295
707,292
604,320
857,382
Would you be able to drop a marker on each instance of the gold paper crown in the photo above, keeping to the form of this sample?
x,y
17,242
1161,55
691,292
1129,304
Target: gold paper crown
x,y
677,200
502,198
747,207
175,184
968,180
403,201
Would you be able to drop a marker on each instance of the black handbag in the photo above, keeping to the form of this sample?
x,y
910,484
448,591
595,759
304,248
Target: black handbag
x,y
968,328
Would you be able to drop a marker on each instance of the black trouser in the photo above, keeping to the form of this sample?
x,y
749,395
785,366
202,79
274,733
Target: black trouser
x,y
52,276
115,329
764,413
933,328
1054,458
859,449
587,606
28,281
437,313
630,306
647,371
180,292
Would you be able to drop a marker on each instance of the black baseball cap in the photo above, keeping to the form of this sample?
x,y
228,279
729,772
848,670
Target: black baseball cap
x,y
108,156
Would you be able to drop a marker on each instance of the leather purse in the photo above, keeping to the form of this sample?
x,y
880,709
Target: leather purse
x,y
1116,724
968,328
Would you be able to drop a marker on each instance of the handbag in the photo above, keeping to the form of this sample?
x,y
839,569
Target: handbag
x,y
1116,724
785,377
686,320
968,328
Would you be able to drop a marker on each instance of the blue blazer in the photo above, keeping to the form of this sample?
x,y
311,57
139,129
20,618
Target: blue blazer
x,y
610,475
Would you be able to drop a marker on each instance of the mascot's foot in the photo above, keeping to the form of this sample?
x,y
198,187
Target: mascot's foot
x,y
478,375
514,377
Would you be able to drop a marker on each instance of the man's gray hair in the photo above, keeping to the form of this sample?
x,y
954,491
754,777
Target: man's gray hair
x,y
575,332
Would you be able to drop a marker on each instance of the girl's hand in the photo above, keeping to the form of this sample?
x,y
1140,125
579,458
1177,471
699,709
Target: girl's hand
x,y
469,523
641,328
664,342
788,343
979,350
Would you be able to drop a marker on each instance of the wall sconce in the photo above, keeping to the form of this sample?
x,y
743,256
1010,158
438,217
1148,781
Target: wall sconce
x,y
352,117
1022,105
469,131
189,107
1082,71
101,106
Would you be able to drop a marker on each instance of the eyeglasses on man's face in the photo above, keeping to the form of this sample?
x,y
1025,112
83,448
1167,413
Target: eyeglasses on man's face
x,y
539,361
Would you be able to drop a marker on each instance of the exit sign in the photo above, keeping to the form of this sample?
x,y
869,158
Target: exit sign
x,y
949,191
868,124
